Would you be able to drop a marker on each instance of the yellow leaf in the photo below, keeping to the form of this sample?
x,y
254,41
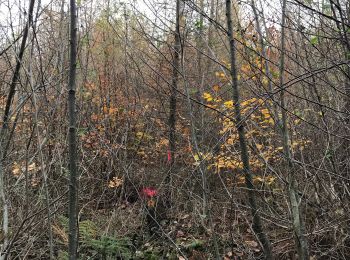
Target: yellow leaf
x,y
207,96
241,180
139,134
230,141
270,180
228,104
216,88
265,81
265,112
258,179
196,157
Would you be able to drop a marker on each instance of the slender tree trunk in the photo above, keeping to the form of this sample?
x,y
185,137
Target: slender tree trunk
x,y
343,36
298,225
16,74
73,180
257,225
173,92
210,33
195,138
201,78
4,128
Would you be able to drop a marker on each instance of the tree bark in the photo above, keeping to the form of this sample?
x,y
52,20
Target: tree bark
x,y
173,92
257,225
73,172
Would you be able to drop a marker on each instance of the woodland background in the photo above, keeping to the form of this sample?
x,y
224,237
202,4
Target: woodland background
x,y
203,129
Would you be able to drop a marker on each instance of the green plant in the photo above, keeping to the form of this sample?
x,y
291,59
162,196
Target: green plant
x,y
110,248
94,245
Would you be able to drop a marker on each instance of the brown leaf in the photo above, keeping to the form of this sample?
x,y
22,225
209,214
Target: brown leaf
x,y
252,243
180,233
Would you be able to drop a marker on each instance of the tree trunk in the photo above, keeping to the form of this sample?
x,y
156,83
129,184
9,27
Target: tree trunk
x,y
173,93
257,225
298,225
73,173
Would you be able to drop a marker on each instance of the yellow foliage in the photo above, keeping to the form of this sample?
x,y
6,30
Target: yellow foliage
x,y
207,97
142,135
196,158
241,180
216,88
228,104
258,128
265,112
267,180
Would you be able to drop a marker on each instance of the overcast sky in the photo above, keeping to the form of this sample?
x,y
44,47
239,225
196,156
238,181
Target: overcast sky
x,y
13,12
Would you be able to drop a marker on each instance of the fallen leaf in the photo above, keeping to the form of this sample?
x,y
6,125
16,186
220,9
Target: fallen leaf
x,y
252,243
180,233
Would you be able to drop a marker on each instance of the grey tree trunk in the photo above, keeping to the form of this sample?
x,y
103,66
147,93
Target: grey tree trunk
x,y
298,225
73,173
257,225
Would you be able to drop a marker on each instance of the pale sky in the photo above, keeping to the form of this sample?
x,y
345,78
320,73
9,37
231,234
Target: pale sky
x,y
13,12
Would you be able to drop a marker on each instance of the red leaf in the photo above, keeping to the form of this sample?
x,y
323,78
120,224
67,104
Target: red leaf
x,y
149,192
